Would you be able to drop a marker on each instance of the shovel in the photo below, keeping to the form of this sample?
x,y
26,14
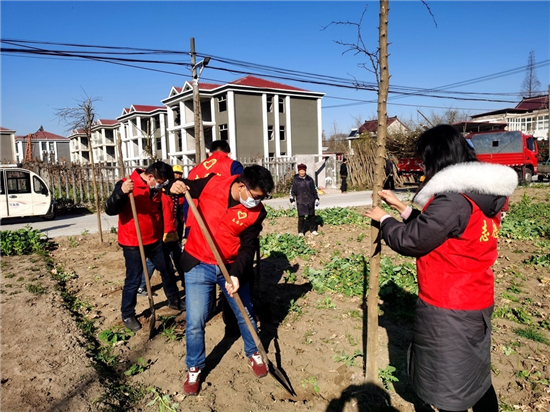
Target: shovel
x,y
273,370
152,320
140,243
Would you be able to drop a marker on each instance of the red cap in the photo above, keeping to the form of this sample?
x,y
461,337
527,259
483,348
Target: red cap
x,y
302,166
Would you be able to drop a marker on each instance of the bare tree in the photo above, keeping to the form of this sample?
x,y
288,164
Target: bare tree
x,y
378,65
378,60
82,117
531,84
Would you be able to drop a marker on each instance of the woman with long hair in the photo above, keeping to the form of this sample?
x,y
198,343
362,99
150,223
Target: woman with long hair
x,y
454,239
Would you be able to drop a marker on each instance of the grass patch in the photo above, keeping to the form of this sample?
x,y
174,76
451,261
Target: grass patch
x,y
532,334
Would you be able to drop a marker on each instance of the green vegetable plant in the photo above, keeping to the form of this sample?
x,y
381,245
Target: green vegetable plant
x,y
168,329
22,242
116,334
312,380
36,289
326,303
348,360
163,402
284,246
387,377
139,367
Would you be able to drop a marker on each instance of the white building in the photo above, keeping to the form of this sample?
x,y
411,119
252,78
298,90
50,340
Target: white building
x,y
143,132
530,116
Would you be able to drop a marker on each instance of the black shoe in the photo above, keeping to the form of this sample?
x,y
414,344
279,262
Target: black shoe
x,y
141,292
132,323
178,305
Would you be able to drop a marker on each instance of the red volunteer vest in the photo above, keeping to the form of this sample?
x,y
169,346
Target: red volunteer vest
x,y
148,211
225,224
457,274
218,162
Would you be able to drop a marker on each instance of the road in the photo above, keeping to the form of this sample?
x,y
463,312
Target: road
x,y
74,225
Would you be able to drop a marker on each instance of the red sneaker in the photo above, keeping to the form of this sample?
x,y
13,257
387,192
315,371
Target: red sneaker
x,y
258,365
193,382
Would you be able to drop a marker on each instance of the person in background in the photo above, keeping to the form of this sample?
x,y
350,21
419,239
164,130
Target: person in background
x,y
219,162
304,192
344,175
146,186
233,213
389,182
454,240
178,207
171,246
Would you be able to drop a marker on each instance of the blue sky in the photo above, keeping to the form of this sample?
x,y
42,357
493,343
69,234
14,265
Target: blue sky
x,y
472,39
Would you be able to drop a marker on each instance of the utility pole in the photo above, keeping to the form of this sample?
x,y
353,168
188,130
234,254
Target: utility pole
x,y
199,140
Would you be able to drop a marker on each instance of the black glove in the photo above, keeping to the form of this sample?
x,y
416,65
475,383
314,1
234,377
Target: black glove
x,y
291,200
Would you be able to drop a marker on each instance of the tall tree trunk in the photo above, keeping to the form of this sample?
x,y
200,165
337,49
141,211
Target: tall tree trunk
x,y
374,279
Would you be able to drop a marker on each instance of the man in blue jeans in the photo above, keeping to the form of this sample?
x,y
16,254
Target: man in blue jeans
x,y
232,209
145,185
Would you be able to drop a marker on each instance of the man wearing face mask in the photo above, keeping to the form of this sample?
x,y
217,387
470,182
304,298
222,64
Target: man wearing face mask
x,y
232,209
145,185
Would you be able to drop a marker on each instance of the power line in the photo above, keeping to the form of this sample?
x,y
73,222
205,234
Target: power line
x,y
27,48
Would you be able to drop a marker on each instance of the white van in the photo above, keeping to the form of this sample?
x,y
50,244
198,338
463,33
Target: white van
x,y
23,193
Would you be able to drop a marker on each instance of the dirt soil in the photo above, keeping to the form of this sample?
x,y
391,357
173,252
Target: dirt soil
x,y
47,362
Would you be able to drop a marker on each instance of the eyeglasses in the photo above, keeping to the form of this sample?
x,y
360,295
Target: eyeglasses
x,y
267,196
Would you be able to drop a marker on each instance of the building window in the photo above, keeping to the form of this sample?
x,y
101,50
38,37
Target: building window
x,y
271,154
283,153
282,135
281,104
223,132
270,133
269,102
222,103
159,144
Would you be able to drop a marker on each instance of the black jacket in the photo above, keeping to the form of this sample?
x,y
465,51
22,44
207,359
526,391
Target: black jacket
x,y
448,214
305,193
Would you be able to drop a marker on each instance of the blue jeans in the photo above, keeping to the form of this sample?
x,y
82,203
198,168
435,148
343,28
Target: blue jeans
x,y
134,274
200,282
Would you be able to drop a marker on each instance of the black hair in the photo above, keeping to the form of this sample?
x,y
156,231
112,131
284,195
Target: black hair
x,y
220,145
257,177
160,170
442,146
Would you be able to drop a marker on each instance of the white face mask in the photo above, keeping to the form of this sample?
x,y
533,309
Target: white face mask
x,y
250,202
158,186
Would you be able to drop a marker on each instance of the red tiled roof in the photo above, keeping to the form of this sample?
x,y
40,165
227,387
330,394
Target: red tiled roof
x,y
106,122
43,136
144,108
372,125
533,103
253,81
3,128
208,86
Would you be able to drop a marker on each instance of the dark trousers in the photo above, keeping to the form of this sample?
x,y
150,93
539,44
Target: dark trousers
x,y
306,223
134,273
344,187
487,403
389,183
171,251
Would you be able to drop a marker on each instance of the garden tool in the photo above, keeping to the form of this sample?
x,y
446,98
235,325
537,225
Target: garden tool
x,y
140,244
273,370
152,319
